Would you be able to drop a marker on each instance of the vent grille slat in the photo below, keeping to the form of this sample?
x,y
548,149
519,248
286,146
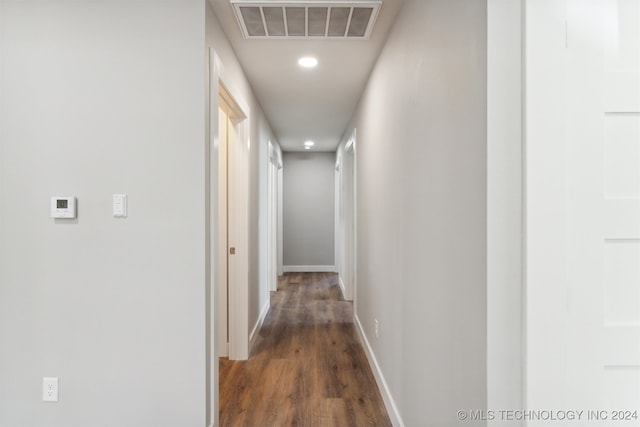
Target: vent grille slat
x,y
253,21
359,21
274,18
338,21
317,21
312,19
296,21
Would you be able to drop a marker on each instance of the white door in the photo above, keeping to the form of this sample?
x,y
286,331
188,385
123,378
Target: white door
x,y
348,192
237,225
223,266
583,213
603,206
233,270
280,223
603,201
272,219
345,219
223,235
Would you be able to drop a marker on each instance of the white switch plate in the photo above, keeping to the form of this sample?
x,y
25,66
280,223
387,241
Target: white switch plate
x,y
50,389
120,205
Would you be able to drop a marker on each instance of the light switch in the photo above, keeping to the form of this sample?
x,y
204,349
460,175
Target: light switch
x,y
120,205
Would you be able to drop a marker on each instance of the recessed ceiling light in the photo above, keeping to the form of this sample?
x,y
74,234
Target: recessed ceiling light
x,y
308,62
309,144
307,148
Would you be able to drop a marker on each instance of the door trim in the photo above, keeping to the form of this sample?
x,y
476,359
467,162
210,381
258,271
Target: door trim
x,y
506,292
220,88
237,223
346,238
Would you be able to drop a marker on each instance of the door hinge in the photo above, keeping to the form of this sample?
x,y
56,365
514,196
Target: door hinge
x,y
232,251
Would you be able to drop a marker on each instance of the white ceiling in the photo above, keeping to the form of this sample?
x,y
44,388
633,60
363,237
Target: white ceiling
x,y
307,104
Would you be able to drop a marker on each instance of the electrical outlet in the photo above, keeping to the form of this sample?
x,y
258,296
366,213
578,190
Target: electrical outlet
x,y
375,322
50,389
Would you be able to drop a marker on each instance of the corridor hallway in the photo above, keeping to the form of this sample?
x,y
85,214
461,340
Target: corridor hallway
x,y
307,368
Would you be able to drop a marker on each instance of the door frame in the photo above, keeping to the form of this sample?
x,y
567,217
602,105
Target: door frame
x,y
274,165
238,294
237,223
351,215
280,220
506,204
346,234
222,242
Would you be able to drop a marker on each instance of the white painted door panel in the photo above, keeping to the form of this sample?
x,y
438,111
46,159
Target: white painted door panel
x,y
583,215
349,218
621,206
222,274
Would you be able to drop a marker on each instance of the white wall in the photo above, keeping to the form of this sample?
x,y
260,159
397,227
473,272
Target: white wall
x,y
422,211
308,211
101,98
504,209
114,92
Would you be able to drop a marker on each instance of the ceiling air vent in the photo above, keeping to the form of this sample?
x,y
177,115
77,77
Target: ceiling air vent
x,y
306,19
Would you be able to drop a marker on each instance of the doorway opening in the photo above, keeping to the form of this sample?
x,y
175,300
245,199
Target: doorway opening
x,y
227,240
232,273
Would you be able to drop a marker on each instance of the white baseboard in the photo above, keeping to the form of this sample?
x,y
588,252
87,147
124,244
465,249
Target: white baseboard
x,y
253,337
309,268
342,288
389,403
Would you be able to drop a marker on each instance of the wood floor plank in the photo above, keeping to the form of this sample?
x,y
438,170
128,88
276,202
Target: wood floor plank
x,y
307,368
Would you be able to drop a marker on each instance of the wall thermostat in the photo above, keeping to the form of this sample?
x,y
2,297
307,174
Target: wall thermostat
x,y
63,207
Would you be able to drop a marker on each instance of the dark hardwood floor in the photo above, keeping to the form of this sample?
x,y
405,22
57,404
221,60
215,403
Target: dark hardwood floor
x,y
307,367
